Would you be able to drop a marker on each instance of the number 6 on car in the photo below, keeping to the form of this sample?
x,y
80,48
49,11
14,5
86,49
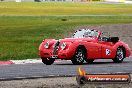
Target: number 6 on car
x,y
85,45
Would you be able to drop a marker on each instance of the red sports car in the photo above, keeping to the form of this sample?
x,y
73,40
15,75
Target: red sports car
x,y
85,45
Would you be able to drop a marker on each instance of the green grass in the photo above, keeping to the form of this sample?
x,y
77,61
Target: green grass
x,y
23,26
20,36
37,9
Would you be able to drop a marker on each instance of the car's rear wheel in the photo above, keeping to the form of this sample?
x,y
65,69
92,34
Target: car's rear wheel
x,y
89,61
120,55
48,61
79,56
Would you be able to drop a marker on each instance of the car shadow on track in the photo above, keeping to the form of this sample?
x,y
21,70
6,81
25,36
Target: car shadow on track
x,y
94,63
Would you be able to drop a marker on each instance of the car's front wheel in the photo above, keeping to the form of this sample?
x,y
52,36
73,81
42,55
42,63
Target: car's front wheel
x,y
120,55
48,61
79,56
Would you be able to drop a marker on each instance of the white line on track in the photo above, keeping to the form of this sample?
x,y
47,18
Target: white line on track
x,y
29,61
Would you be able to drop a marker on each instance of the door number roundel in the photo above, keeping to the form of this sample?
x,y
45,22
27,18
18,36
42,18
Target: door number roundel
x,y
107,52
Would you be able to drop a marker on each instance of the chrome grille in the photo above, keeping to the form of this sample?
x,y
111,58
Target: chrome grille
x,y
56,47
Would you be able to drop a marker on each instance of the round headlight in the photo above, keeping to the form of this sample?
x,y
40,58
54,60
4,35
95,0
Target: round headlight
x,y
46,45
63,45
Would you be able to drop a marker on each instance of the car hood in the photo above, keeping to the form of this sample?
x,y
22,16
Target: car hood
x,y
77,39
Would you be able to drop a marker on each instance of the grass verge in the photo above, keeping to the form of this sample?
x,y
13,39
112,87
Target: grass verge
x,y
20,36
52,8
24,25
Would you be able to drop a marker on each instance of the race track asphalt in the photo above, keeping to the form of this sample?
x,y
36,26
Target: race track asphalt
x,y
63,68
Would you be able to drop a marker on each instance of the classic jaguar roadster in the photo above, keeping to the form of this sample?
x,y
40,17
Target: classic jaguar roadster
x,y
85,45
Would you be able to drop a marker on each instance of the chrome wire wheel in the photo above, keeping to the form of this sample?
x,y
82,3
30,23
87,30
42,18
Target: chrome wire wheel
x,y
79,56
120,55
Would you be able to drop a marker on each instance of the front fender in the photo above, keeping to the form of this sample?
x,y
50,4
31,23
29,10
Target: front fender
x,y
51,42
74,45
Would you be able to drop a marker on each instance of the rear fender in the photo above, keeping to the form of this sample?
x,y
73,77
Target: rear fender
x,y
124,46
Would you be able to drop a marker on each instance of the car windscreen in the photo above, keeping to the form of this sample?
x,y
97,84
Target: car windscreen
x,y
85,33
